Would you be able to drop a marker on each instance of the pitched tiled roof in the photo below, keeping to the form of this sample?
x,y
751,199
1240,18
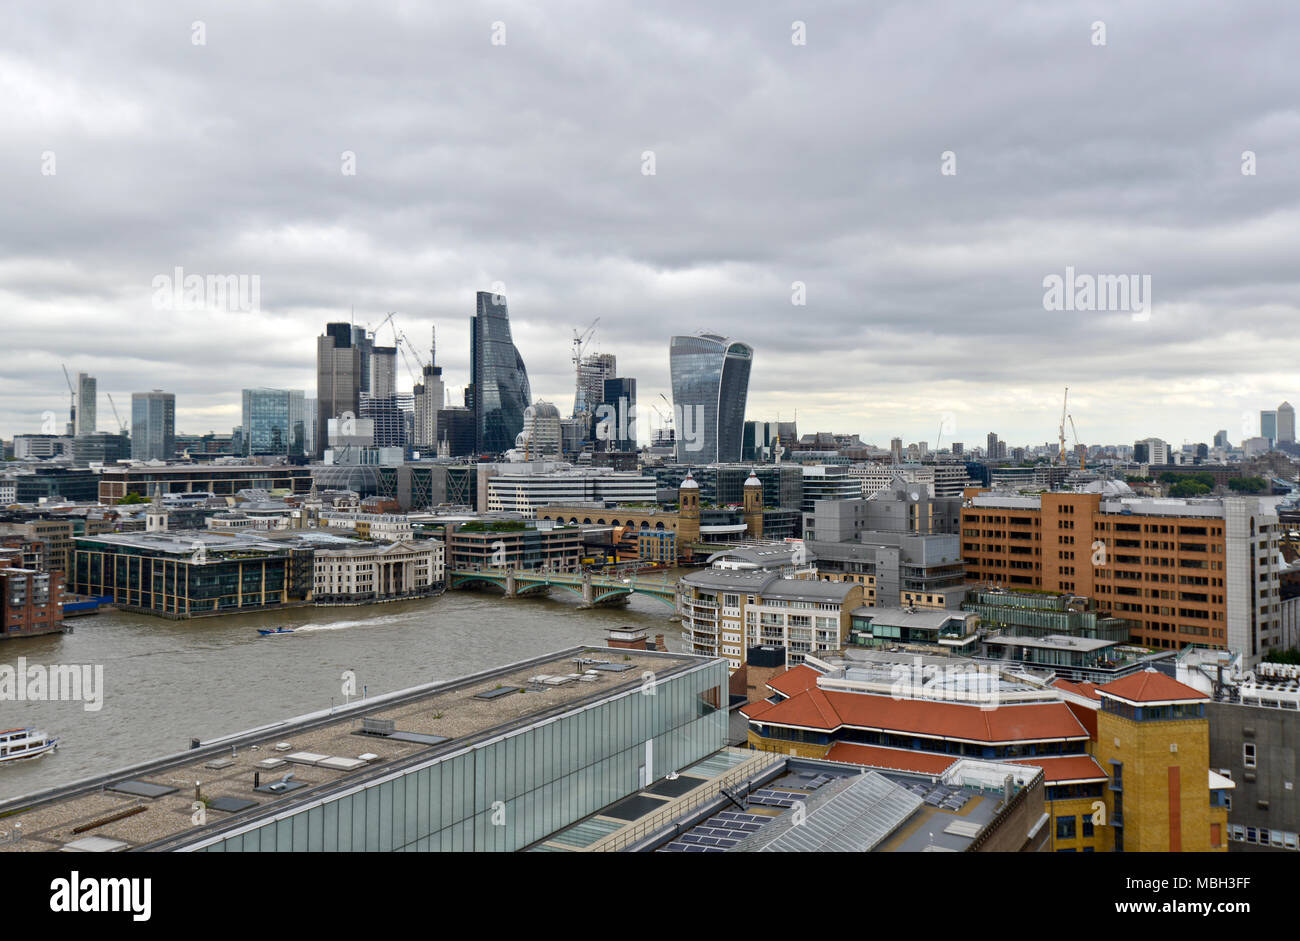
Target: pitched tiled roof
x,y
1151,686
829,710
1081,689
896,759
1067,769
794,680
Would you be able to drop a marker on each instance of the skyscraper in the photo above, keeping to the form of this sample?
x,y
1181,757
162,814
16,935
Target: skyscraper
x,y
153,426
342,374
617,412
430,396
591,375
1285,423
499,390
86,396
274,422
383,371
710,376
991,449
1268,426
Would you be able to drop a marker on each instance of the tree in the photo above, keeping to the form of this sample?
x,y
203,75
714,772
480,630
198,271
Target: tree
x,y
1247,484
1189,488
132,498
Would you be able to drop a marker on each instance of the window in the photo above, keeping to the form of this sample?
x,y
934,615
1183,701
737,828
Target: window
x,y
1248,754
1065,828
1087,825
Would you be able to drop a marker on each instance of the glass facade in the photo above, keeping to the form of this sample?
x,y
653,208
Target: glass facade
x,y
274,422
710,376
507,791
499,379
153,426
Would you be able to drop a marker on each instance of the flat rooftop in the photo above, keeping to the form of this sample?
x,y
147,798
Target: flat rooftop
x,y
148,805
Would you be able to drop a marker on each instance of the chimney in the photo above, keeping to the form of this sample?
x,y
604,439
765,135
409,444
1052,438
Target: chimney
x,y
659,642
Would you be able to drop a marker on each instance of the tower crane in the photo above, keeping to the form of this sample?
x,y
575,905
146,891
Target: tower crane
x,y
120,424
1060,451
1083,455
72,399
580,341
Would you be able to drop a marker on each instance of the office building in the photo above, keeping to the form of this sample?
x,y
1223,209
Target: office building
x,y
939,480
383,371
616,426
429,398
1204,571
540,437
101,447
587,488
457,431
223,480
370,573
192,574
153,426
87,400
342,374
392,417
513,545
1285,423
589,390
710,378
274,422
1268,426
828,482
40,447
1221,439
499,390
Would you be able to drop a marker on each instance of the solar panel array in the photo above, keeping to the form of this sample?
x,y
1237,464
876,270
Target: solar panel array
x,y
718,834
768,797
942,796
854,820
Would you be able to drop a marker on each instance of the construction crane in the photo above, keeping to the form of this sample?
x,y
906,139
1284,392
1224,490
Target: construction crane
x,y
72,399
580,341
120,424
1060,451
1083,455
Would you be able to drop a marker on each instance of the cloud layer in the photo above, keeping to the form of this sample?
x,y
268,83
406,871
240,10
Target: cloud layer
x,y
774,163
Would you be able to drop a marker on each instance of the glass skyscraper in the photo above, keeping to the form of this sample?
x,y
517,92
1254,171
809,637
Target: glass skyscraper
x,y
710,377
499,382
153,426
274,422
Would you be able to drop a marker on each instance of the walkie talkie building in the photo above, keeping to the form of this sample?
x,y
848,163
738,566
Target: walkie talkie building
x,y
499,391
710,377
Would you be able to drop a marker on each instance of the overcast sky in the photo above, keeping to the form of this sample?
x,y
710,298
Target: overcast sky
x,y
522,163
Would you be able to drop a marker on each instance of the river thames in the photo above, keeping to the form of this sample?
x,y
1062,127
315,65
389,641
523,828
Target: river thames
x,y
166,682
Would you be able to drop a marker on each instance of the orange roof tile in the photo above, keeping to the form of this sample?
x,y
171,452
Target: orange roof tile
x,y
755,708
829,710
1151,686
1066,769
897,759
1081,689
794,680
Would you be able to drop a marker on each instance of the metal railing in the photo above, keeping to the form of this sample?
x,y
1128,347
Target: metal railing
x,y
628,836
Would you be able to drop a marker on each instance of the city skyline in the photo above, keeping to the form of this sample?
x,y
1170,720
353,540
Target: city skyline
x,y
926,287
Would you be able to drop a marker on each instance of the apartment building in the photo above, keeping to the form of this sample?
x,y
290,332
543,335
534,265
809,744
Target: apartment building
x,y
31,601
725,611
1201,571
54,534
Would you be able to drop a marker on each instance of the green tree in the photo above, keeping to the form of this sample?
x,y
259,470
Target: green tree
x,y
132,498
1248,484
1189,488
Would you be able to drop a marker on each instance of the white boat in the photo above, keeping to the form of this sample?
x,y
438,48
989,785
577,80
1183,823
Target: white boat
x,y
19,744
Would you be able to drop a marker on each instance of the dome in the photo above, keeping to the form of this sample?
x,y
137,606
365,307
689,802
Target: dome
x,y
752,480
689,483
1109,488
540,409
